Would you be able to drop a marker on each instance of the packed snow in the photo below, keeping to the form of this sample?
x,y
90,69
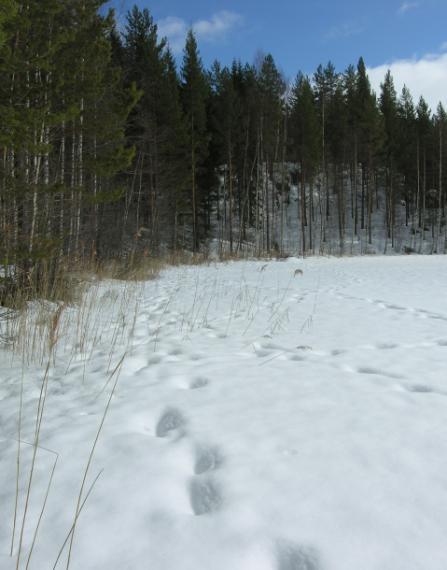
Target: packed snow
x,y
282,415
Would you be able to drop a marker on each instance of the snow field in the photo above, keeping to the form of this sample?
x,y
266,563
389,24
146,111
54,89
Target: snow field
x,y
263,419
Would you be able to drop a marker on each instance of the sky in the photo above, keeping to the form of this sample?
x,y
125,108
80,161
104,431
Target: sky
x,y
409,37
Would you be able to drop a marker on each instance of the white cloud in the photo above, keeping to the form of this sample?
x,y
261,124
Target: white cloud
x,y
407,6
175,30
346,30
217,26
213,29
425,76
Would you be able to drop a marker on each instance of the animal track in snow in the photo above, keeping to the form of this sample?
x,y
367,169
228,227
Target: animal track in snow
x,y
155,359
207,459
199,382
205,496
387,346
377,372
296,557
296,358
171,420
420,389
338,352
421,313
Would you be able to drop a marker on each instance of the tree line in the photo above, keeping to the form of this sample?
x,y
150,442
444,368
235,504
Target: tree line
x,y
108,150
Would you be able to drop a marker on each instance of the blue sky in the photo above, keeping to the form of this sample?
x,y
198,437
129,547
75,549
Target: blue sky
x,y
410,36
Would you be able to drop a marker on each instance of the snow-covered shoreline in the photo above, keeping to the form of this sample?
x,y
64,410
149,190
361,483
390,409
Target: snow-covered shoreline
x,y
264,419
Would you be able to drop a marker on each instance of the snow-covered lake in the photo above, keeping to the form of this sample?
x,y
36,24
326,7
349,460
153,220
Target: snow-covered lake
x,y
268,416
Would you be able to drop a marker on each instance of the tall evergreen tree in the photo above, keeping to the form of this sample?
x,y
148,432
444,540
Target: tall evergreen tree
x,y
195,92
441,128
306,136
423,126
144,54
388,108
271,91
368,137
406,155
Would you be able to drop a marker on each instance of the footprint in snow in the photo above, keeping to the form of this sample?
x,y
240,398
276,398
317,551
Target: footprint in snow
x,y
387,346
375,372
338,352
395,307
205,496
296,358
199,382
171,421
196,356
296,557
419,389
207,459
155,359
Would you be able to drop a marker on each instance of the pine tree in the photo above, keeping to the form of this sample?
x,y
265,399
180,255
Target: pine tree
x,y
173,152
441,128
338,149
405,156
325,83
368,137
306,136
423,126
271,91
388,108
144,54
350,88
195,93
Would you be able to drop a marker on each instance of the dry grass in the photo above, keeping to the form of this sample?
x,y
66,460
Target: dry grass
x,y
39,310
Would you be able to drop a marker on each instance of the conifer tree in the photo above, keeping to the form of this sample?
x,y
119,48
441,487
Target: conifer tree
x,y
368,136
271,91
173,152
306,137
338,150
423,126
194,92
325,83
350,88
144,66
406,117
388,108
441,128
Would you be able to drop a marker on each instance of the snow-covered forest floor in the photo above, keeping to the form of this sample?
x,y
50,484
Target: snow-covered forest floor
x,y
267,416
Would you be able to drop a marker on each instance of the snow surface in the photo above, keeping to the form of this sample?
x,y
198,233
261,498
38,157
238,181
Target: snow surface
x,y
264,419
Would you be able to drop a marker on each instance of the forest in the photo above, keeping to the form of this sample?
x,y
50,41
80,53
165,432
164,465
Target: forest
x,y
108,150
